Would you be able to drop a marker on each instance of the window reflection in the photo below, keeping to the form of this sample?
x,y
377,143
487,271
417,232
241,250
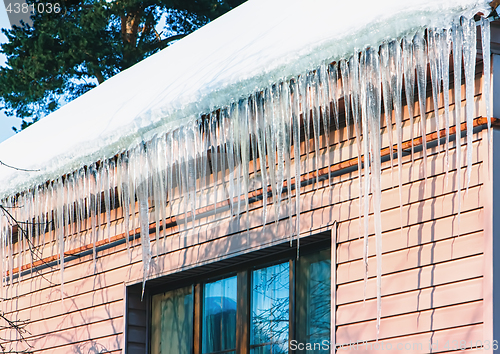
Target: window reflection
x,y
270,310
219,316
172,322
313,300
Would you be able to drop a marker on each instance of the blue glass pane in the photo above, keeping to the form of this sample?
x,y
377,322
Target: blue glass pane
x,y
270,309
318,326
219,316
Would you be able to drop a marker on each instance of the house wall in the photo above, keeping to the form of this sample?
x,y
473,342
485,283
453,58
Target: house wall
x,y
432,282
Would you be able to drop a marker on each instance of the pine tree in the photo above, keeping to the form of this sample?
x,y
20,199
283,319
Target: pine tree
x,y
65,54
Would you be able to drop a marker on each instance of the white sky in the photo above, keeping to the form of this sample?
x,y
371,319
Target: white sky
x,y
6,123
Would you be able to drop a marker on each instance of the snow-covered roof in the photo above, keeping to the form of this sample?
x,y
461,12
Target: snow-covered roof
x,y
260,42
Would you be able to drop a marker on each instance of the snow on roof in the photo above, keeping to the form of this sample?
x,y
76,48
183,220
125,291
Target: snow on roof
x,y
258,43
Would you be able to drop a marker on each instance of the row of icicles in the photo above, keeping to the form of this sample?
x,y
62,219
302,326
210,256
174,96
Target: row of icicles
x,y
177,170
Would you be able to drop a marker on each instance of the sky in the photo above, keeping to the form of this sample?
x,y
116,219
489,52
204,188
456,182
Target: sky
x,y
6,123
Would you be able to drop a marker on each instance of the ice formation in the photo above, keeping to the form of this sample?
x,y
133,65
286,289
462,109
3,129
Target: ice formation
x,y
178,171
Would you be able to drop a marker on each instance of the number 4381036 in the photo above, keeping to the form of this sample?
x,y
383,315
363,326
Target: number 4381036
x,y
40,7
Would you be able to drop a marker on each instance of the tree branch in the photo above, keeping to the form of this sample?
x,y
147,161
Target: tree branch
x,y
164,42
17,168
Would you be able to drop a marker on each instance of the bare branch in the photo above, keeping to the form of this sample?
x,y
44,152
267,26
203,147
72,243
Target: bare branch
x,y
17,168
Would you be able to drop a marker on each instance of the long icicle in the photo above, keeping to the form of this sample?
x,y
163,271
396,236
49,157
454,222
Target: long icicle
x,y
409,74
366,168
245,153
457,72
261,134
142,176
445,62
421,65
285,107
433,55
396,77
373,106
387,90
355,89
485,40
469,48
346,91
296,149
315,109
325,113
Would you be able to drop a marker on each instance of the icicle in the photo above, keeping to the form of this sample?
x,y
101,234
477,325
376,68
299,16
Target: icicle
x,y
421,65
222,146
142,195
37,212
152,161
325,113
373,109
213,147
296,148
60,230
285,101
183,174
469,48
457,71
434,59
366,160
170,164
83,183
279,132
74,203
162,170
233,117
106,192
245,153
113,183
50,215
270,142
396,78
445,62
99,192
346,90
302,83
409,74
124,195
315,107
333,91
261,136
190,144
387,96
485,40
205,148
253,122
68,203
91,174
202,141
356,89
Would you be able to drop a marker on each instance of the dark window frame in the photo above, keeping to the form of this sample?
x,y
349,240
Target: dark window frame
x,y
243,270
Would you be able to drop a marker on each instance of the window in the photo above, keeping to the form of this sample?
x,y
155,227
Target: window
x,y
219,317
256,310
172,322
270,303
